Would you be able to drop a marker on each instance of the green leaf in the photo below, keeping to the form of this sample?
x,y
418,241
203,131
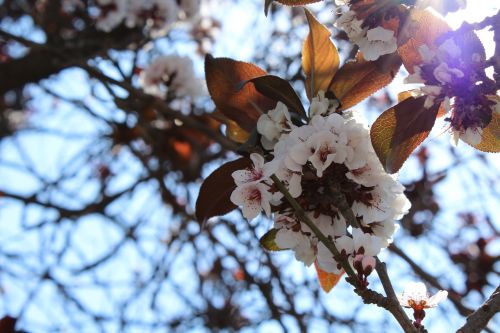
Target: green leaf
x,y
215,192
398,131
320,59
278,89
268,241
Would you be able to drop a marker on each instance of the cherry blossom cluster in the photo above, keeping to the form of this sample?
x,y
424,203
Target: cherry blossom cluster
x,y
171,76
364,28
155,14
329,156
455,77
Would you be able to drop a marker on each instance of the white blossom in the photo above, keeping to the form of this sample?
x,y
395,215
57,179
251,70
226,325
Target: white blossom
x,y
260,171
378,41
373,43
451,48
191,8
445,74
325,150
273,123
113,15
171,74
415,296
351,25
290,236
366,244
472,136
322,106
157,14
301,155
253,198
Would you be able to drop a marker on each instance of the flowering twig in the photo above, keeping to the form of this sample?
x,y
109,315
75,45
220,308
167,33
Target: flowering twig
x,y
299,212
390,303
452,296
478,320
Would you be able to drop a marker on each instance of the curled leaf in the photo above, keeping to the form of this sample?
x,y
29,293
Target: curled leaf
x,y
244,106
491,136
357,80
215,192
320,59
268,241
327,280
235,132
278,89
398,131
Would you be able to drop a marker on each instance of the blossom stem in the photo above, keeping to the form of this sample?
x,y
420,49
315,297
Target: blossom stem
x,y
299,212
340,201
390,302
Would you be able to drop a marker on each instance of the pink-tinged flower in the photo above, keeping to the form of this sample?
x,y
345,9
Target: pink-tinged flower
x,y
322,106
274,123
445,74
472,136
351,25
253,197
171,75
325,149
345,245
373,39
291,179
454,80
329,225
368,175
290,236
326,261
415,296
259,172
378,41
368,263
364,264
366,244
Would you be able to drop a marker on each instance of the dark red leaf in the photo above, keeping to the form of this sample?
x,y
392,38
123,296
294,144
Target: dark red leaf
x,y
278,89
243,106
215,192
8,324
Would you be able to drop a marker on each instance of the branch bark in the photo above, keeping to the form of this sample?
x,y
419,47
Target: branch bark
x,y
44,60
478,320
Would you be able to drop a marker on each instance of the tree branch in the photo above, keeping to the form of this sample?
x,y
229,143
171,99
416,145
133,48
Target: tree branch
x,y
45,60
478,320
